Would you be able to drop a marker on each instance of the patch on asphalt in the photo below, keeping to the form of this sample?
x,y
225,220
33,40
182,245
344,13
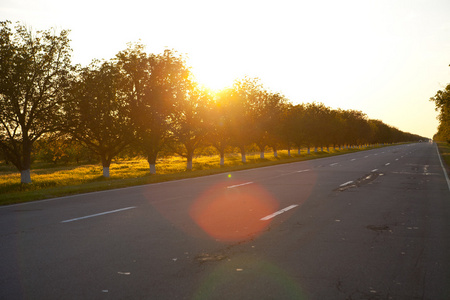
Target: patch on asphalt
x,y
368,178
378,228
205,257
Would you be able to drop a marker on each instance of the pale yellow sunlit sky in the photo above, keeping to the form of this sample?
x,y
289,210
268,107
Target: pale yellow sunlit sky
x,y
384,57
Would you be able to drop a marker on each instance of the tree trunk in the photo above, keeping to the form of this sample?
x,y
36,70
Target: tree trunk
x,y
222,158
309,150
106,162
315,150
261,151
151,158
189,156
25,176
275,153
244,159
152,169
189,164
106,172
289,152
299,151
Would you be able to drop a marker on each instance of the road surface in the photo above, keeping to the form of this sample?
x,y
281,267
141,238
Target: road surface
x,y
367,225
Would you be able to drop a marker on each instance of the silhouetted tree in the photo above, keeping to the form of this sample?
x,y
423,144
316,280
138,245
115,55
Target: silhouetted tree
x,y
34,69
316,125
442,102
219,123
154,84
98,113
189,124
294,126
271,118
243,96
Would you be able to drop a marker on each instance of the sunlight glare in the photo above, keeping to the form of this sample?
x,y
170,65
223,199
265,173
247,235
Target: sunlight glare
x,y
233,214
212,74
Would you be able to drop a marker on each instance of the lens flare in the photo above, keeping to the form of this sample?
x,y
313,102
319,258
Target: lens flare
x,y
233,214
233,280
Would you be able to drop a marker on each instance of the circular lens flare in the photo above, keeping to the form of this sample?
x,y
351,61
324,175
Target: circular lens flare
x,y
232,214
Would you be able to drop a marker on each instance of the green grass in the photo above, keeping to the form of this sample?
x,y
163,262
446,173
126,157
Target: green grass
x,y
51,181
444,149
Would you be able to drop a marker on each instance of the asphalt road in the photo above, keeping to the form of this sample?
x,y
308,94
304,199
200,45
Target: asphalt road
x,y
369,225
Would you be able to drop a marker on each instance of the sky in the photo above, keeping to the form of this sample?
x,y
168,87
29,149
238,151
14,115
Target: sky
x,y
385,58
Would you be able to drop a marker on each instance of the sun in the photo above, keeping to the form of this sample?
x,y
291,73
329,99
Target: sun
x,y
211,79
212,75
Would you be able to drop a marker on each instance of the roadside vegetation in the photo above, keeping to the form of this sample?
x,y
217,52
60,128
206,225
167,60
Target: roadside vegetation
x,y
60,179
148,105
444,149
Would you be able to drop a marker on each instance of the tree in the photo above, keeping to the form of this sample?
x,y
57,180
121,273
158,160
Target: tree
x,y
98,111
189,122
338,124
442,102
154,83
243,97
316,125
219,123
268,117
34,71
293,132
356,127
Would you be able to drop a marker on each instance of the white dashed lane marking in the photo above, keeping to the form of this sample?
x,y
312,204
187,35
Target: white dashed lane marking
x,y
278,212
99,214
238,185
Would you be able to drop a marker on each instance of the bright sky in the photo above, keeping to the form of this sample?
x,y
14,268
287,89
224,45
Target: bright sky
x,y
383,57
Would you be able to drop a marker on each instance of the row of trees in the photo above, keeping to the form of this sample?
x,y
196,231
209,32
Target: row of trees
x,y
442,102
148,102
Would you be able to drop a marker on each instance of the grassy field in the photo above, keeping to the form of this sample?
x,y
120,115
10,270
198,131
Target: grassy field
x,y
51,180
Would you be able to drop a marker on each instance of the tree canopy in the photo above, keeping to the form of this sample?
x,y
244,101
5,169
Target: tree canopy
x,y
34,73
442,102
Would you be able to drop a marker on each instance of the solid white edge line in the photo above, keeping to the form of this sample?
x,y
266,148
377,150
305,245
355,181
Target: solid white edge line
x,y
237,185
99,214
348,182
443,168
278,212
